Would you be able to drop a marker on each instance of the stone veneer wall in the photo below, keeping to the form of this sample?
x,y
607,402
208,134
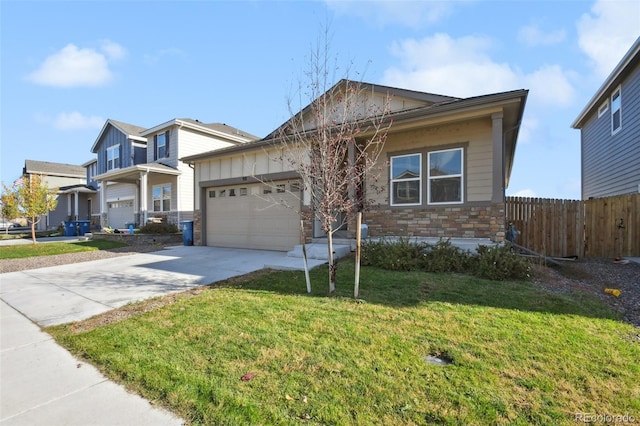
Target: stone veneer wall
x,y
197,228
440,222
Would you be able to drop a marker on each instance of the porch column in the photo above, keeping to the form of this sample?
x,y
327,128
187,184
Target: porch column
x,y
143,198
69,206
76,195
498,158
103,203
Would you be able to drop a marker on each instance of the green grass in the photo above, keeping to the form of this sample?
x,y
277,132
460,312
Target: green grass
x,y
520,355
48,249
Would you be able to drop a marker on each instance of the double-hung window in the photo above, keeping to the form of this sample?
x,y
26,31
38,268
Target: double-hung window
x,y
406,180
161,142
616,111
445,177
113,157
162,198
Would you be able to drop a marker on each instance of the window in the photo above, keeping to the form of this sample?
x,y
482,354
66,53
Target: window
x,y
162,198
212,193
603,108
616,111
161,142
232,192
113,157
280,188
445,176
406,176
243,192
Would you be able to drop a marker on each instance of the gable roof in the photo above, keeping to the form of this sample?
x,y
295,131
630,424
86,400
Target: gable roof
x,y
424,98
512,103
53,169
630,60
222,130
131,131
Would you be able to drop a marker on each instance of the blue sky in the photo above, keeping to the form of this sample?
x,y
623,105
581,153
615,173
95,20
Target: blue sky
x,y
67,67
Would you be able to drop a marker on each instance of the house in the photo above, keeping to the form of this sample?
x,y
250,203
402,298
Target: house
x,y
610,132
73,191
473,140
139,174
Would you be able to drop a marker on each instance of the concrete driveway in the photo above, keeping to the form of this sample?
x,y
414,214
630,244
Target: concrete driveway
x,y
60,294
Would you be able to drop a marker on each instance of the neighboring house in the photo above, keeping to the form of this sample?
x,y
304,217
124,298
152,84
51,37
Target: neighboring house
x,y
473,140
73,191
610,132
139,173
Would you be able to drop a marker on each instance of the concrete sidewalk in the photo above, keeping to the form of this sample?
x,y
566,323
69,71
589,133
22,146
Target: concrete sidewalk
x,y
42,383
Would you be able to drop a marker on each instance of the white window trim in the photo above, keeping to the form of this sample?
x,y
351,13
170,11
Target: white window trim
x,y
113,158
392,181
164,138
603,108
153,198
618,90
460,175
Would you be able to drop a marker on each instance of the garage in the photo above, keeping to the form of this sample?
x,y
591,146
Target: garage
x,y
242,216
120,213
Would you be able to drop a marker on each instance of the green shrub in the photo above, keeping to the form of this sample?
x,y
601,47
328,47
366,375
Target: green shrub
x,y
444,257
499,263
400,255
492,262
159,228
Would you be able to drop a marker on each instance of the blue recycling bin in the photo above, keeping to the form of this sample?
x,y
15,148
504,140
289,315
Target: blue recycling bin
x,y
69,229
187,232
83,226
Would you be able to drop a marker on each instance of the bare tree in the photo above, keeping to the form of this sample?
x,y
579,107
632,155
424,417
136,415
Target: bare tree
x,y
334,145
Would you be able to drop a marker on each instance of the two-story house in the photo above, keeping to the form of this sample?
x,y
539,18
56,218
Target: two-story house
x,y
610,132
139,174
73,192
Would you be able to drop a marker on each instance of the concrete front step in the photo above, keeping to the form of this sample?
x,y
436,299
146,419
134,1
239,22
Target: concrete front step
x,y
319,251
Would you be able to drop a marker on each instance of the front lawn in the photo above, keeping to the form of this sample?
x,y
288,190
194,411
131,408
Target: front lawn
x,y
518,355
47,249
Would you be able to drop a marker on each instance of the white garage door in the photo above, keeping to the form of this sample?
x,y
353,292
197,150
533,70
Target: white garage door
x,y
240,217
120,213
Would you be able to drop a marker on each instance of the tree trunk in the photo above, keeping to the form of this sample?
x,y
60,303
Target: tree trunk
x,y
304,256
33,232
333,268
356,286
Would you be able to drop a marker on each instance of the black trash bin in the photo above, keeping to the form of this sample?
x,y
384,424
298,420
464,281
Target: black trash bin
x,y
187,232
69,229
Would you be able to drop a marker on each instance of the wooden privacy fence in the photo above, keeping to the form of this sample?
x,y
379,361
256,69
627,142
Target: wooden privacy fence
x,y
601,227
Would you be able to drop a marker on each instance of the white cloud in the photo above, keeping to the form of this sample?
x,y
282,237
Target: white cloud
x,y
456,67
550,85
531,35
73,66
462,67
529,193
113,50
154,58
75,120
608,31
407,13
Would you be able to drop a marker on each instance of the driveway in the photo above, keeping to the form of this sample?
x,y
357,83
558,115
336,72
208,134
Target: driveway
x,y
60,294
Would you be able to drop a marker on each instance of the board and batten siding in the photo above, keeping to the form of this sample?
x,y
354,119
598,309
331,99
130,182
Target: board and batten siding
x,y
611,163
476,138
111,138
258,162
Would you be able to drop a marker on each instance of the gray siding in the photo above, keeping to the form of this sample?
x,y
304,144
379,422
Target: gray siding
x,y
111,138
611,163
